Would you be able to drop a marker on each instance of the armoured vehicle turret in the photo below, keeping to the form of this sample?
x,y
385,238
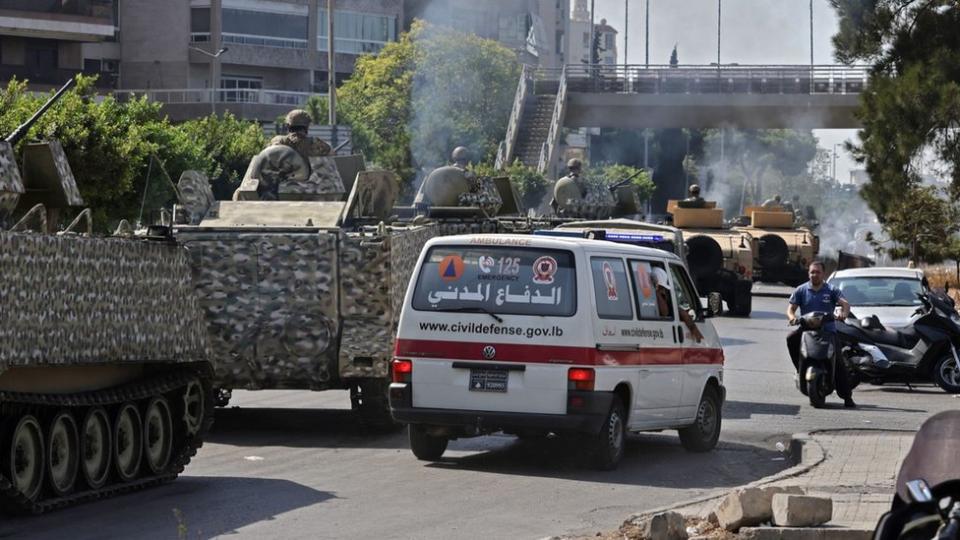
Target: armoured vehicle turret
x,y
720,258
781,249
104,387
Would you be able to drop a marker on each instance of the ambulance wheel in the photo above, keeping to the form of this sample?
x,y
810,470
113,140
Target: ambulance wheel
x,y
702,435
609,444
425,446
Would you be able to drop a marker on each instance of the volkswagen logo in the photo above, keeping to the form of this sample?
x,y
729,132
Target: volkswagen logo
x,y
489,352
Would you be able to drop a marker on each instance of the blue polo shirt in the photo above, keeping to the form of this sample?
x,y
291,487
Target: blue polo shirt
x,y
824,300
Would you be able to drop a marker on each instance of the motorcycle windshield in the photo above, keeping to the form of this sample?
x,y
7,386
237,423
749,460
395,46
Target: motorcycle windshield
x,y
935,453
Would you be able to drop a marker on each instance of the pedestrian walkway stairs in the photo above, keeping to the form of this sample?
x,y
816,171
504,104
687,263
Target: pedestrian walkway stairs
x,y
535,124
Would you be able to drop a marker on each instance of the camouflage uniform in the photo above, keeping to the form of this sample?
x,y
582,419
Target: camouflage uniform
x,y
304,144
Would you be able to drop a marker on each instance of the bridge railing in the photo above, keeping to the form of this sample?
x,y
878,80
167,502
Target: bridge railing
x,y
709,79
548,149
507,146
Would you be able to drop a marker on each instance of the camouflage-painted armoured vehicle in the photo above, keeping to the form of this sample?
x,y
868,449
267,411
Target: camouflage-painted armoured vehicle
x,y
103,383
781,250
720,258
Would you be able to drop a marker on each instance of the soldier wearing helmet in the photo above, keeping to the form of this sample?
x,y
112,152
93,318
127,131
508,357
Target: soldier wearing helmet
x,y
772,203
447,185
694,200
298,123
569,190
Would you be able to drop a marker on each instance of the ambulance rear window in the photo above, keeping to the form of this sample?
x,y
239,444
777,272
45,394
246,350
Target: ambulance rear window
x,y
499,279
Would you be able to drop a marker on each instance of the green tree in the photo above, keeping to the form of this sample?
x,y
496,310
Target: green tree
x,y
319,108
911,109
110,146
227,144
427,93
919,221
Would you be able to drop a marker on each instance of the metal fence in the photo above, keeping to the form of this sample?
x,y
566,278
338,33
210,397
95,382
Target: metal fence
x,y
206,95
709,79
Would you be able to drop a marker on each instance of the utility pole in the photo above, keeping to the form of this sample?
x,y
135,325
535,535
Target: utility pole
x,y
718,35
214,64
331,78
593,29
646,59
626,30
811,34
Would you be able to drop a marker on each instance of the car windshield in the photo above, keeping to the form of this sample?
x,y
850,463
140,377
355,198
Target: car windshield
x,y
879,291
497,279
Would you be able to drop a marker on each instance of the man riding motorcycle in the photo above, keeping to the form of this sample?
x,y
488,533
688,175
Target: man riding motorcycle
x,y
817,295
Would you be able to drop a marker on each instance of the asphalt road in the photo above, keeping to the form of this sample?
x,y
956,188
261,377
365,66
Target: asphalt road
x,y
294,464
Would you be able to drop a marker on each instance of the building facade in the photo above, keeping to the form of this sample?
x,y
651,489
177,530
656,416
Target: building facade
x,y
274,51
536,30
49,41
578,50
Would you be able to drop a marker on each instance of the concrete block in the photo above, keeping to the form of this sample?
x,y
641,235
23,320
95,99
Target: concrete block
x,y
801,510
749,506
663,526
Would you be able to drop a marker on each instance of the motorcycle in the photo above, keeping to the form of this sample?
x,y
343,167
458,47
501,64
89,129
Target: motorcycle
x,y
817,361
923,350
926,502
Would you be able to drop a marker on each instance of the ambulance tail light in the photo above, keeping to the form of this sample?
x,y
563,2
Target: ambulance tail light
x,y
401,370
580,379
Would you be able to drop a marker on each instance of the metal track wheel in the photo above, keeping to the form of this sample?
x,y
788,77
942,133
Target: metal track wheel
x,y
157,434
127,441
95,447
24,459
194,403
63,453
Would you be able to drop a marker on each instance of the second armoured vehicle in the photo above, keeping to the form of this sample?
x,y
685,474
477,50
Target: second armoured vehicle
x,y
104,384
720,258
781,250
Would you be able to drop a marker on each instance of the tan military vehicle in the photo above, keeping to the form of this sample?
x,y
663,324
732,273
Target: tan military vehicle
x,y
104,387
720,259
781,250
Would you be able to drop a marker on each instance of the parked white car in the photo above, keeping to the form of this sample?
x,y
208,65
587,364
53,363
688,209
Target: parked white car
x,y
890,293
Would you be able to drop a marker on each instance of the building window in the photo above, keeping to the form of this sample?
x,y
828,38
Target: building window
x,y
283,30
608,42
240,89
357,33
199,24
586,39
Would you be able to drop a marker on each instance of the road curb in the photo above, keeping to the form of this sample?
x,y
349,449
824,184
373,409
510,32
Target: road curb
x,y
805,452
804,533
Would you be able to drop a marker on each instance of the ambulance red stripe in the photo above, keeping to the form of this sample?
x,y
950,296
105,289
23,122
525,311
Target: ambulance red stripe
x,y
553,354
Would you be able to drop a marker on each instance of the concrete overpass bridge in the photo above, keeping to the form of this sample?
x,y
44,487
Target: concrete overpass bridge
x,y
636,96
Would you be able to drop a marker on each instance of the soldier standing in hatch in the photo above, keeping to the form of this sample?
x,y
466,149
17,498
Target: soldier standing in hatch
x,y
772,203
694,200
298,123
568,189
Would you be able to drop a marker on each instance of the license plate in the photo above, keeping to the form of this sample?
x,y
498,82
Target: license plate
x,y
489,380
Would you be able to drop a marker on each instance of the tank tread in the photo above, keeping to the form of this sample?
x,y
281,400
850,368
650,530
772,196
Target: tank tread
x,y
12,501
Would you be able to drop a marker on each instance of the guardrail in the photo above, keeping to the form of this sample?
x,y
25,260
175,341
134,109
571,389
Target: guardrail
x,y
219,95
546,164
507,147
710,79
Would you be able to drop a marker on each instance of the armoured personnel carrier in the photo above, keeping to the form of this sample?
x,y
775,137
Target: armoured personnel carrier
x,y
720,258
104,387
781,250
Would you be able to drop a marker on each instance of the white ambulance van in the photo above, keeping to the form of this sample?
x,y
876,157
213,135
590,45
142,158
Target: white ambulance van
x,y
536,334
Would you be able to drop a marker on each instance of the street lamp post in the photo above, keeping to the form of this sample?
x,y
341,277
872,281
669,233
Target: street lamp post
x,y
834,174
214,59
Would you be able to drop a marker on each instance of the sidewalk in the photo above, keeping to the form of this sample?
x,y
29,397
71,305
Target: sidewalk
x,y
856,468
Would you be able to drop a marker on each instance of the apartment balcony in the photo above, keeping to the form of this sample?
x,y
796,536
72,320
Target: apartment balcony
x,y
250,104
88,25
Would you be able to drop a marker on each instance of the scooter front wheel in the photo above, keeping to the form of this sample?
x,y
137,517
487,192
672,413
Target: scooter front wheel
x,y
815,392
946,373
